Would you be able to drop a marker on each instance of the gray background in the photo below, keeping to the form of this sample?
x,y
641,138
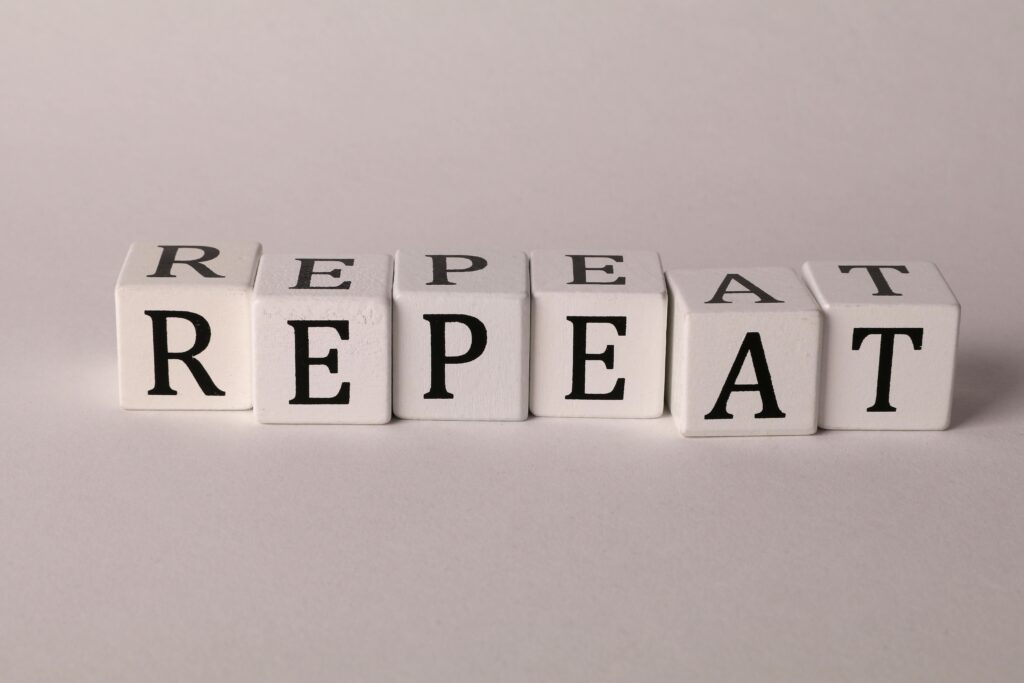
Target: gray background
x,y
145,546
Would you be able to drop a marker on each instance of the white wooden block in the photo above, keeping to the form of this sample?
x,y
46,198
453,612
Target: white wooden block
x,y
745,346
890,344
322,339
462,335
183,332
598,346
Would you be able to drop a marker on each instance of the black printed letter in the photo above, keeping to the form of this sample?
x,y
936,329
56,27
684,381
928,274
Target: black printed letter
x,y
303,362
580,268
878,277
438,359
169,257
441,269
885,349
748,288
769,405
162,357
580,357
306,273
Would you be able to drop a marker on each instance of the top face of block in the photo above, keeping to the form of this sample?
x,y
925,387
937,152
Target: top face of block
x,y
350,275
450,272
588,271
740,290
878,283
220,264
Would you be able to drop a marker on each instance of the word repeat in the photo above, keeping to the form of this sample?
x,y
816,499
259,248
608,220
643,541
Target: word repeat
x,y
356,338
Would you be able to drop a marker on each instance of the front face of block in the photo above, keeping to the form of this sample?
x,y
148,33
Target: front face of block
x,y
462,330
183,330
745,352
599,323
322,339
890,344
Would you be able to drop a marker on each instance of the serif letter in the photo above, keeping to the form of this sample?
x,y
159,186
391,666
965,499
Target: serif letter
x,y
438,348
169,258
886,345
882,286
580,270
752,347
441,269
580,357
307,269
303,362
748,288
162,356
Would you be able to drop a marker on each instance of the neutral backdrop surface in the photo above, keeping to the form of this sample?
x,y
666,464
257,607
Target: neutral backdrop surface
x,y
203,546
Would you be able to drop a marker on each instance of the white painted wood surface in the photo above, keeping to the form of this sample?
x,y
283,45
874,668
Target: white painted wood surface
x,y
349,379
619,303
210,298
473,309
744,352
898,310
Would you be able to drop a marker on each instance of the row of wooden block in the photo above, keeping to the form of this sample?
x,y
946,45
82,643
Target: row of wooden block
x,y
353,338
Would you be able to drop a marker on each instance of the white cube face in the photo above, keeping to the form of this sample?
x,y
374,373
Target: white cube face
x,y
599,334
462,331
322,339
891,332
183,326
744,357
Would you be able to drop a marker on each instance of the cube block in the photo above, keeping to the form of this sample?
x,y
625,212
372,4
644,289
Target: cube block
x,y
891,332
598,340
183,331
322,339
745,346
462,336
